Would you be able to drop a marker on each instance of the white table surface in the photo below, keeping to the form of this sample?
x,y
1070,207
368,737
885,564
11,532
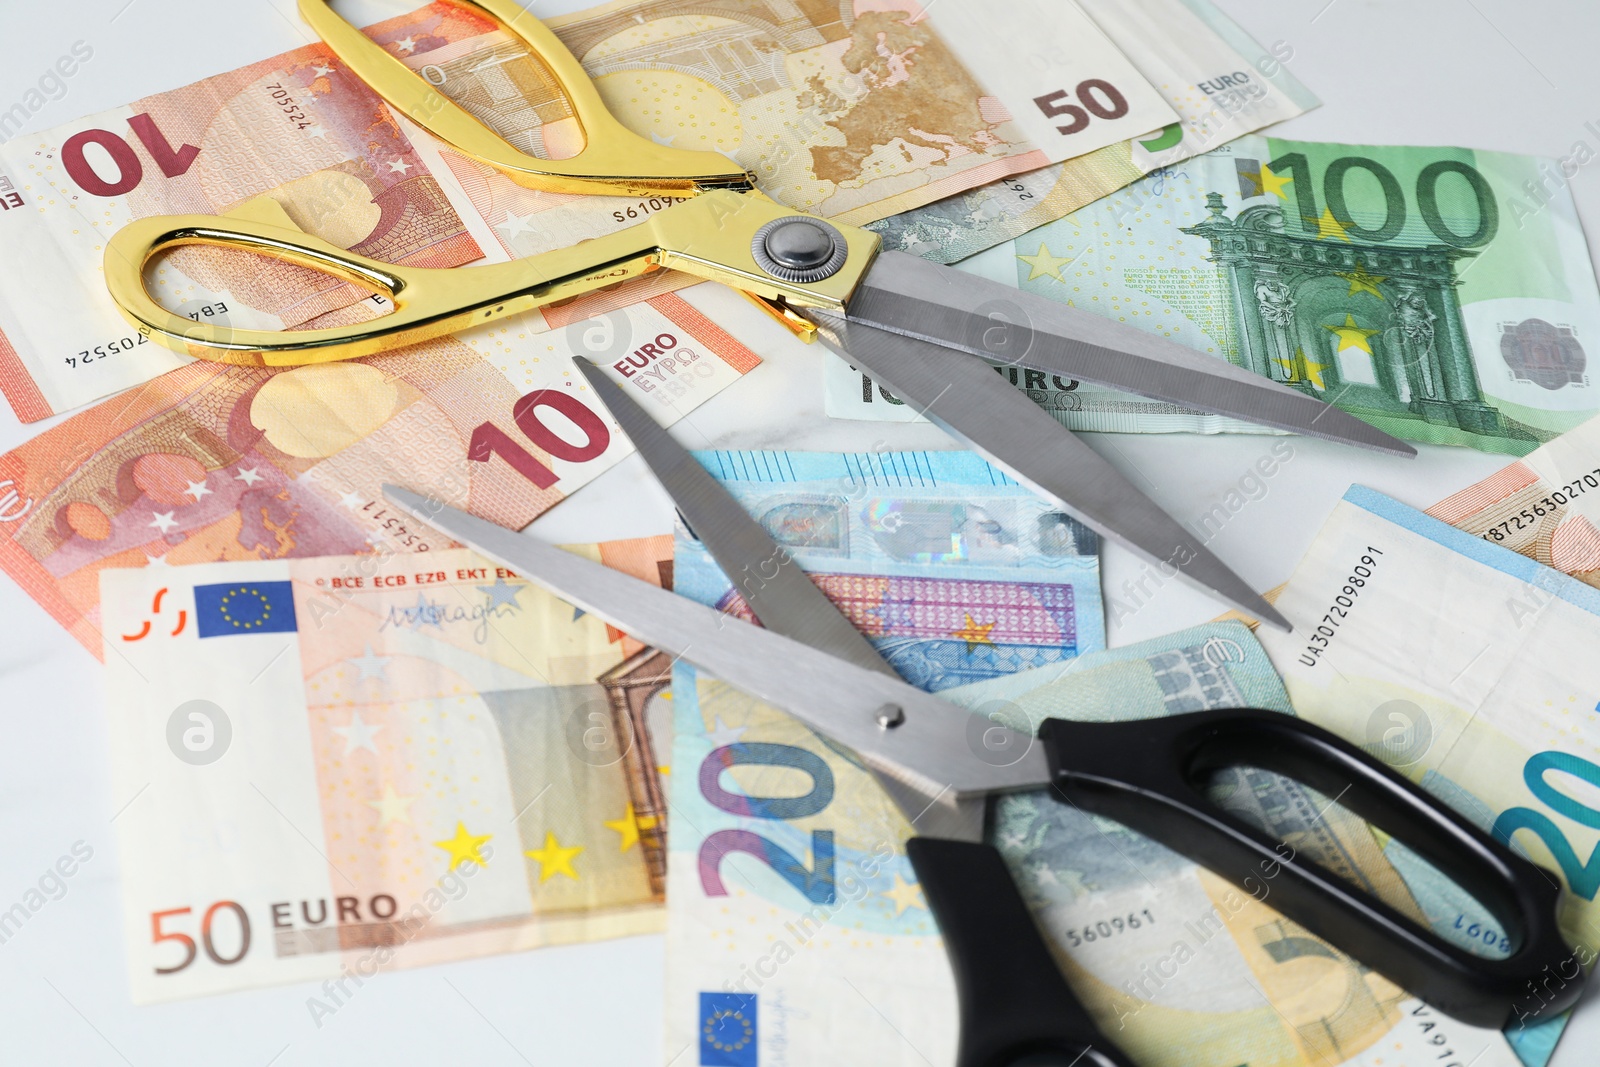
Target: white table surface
x,y
1514,75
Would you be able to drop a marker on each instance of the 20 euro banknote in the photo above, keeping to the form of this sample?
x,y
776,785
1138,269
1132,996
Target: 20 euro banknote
x,y
1470,668
798,932
951,569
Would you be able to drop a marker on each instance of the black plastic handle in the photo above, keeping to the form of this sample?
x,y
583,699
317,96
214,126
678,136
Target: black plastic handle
x,y
1016,1009
1149,775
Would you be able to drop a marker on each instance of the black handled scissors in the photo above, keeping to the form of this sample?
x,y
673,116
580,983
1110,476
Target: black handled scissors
x,y
1016,1008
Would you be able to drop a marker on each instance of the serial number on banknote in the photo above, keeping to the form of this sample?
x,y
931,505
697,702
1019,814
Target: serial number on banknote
x,y
646,207
286,103
1339,610
128,344
1102,929
1530,516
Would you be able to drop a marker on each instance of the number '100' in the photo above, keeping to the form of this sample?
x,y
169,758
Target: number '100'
x,y
815,885
1583,877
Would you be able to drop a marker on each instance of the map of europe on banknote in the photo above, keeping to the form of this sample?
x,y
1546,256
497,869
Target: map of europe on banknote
x,y
345,764
1221,83
1421,289
213,462
798,933
952,570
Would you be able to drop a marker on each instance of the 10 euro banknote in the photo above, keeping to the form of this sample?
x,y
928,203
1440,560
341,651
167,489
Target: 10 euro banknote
x,y
214,462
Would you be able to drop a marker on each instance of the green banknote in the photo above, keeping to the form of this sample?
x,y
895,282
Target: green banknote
x,y
798,933
1443,294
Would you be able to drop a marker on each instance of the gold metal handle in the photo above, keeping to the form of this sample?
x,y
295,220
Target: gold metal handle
x,y
614,158
710,236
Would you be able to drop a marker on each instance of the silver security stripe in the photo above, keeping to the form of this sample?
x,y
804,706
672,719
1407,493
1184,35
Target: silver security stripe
x,y
777,590
973,404
935,750
908,295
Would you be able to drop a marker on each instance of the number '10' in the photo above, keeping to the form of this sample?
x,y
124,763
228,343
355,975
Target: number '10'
x,y
815,885
1394,200
489,440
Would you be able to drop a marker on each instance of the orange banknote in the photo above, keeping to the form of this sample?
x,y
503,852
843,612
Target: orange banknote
x,y
214,462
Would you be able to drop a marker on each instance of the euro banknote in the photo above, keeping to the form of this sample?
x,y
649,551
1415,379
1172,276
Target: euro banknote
x,y
345,764
1221,83
299,127
1470,668
1425,290
800,934
951,569
1545,506
214,462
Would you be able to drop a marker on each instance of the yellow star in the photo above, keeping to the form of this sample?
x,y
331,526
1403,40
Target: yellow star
x,y
1352,336
1328,226
392,807
630,825
463,847
1044,263
553,859
1362,282
1313,369
1272,184
904,896
975,633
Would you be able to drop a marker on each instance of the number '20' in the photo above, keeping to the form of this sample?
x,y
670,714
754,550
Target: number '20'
x,y
815,885
1583,877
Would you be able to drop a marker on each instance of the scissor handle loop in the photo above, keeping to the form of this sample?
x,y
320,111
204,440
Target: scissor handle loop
x,y
1150,775
614,159
709,236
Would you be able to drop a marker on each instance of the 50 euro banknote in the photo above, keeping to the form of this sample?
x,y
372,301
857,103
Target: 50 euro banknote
x,y
1420,289
1221,83
214,462
798,932
350,763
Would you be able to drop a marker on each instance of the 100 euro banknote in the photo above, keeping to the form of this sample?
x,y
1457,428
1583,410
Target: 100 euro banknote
x,y
214,462
798,932
1414,287
951,569
359,762
1221,83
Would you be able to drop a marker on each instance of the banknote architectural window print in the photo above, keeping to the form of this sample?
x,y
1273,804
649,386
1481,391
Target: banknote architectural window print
x,y
1379,325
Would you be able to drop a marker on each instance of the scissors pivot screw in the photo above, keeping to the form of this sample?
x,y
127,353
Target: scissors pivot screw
x,y
891,715
799,249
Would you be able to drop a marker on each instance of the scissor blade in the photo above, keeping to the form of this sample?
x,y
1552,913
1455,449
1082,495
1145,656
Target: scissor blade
x,y
771,582
972,403
907,295
937,749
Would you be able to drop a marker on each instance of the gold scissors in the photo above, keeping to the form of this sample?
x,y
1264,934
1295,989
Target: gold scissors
x,y
913,325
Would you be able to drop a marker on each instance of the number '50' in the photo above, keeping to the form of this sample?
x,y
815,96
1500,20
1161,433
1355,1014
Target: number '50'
x,y
1583,878
1089,93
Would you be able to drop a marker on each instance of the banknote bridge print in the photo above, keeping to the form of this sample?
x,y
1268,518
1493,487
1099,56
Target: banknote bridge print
x,y
1377,326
